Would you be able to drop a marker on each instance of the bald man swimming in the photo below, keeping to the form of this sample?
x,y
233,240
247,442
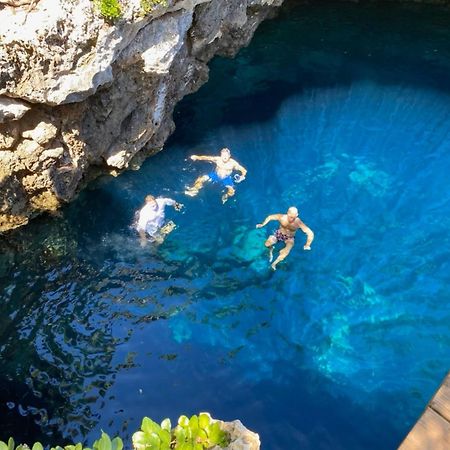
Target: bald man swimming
x,y
289,224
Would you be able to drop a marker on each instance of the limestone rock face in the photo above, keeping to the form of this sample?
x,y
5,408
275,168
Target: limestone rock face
x,y
78,93
11,109
241,437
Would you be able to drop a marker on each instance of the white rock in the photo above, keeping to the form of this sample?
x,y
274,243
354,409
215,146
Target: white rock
x,y
42,133
11,109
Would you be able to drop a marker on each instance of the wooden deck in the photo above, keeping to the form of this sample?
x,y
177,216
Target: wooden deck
x,y
432,430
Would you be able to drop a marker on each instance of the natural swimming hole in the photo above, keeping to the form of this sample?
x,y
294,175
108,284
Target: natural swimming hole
x,y
340,109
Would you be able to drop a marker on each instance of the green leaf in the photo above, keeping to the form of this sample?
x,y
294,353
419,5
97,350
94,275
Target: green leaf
x,y
148,426
139,438
183,421
117,443
193,424
202,436
180,435
3,446
11,444
166,425
215,433
37,446
154,441
204,420
165,436
184,446
104,443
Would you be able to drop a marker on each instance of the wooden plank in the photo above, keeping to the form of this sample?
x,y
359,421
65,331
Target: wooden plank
x,y
431,432
441,401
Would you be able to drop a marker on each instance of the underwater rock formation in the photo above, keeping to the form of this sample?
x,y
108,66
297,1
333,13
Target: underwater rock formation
x,y
80,96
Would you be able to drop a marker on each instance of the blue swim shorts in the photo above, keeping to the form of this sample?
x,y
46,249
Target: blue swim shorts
x,y
227,181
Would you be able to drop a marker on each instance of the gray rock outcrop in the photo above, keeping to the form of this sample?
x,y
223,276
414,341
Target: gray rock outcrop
x,y
79,95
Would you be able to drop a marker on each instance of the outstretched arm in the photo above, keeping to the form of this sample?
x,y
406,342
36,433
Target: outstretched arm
x,y
170,202
167,201
309,235
268,219
204,158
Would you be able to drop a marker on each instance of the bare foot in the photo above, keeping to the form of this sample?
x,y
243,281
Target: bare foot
x,y
168,227
273,266
224,198
191,192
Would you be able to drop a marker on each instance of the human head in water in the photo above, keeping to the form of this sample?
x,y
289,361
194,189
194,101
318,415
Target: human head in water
x,y
150,199
225,154
292,213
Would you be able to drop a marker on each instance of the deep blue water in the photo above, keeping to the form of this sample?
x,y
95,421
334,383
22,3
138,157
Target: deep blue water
x,y
340,109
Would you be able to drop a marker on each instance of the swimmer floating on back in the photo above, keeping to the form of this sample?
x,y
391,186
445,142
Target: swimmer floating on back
x,y
150,219
221,174
289,224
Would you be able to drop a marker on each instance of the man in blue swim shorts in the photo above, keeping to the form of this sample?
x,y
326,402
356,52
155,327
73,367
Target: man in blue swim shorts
x,y
289,224
221,174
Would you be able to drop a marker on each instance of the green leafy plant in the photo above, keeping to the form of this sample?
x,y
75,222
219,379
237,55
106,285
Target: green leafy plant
x,y
109,9
153,436
104,443
197,433
147,6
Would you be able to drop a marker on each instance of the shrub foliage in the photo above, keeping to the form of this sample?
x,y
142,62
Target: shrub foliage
x,y
109,9
147,6
197,433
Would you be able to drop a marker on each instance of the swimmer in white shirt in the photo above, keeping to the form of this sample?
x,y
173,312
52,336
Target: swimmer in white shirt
x,y
150,219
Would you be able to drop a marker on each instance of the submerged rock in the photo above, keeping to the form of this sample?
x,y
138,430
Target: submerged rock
x,y
78,93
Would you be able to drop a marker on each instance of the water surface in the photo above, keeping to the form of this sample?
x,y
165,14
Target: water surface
x,y
340,109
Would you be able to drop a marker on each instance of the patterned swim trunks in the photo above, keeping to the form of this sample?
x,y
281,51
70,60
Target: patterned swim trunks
x,y
281,237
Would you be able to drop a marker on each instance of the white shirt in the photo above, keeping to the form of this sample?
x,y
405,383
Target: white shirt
x,y
151,216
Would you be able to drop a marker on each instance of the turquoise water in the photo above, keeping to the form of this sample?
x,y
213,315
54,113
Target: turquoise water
x,y
340,109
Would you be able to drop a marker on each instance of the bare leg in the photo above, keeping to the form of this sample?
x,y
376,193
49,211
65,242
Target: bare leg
x,y
230,192
270,254
198,184
160,235
158,238
283,253
271,241
143,238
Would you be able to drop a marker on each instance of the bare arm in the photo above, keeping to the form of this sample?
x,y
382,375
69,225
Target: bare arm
x,y
204,158
170,202
240,168
167,201
309,235
268,219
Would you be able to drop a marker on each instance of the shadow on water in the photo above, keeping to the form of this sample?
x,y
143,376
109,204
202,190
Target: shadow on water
x,y
324,44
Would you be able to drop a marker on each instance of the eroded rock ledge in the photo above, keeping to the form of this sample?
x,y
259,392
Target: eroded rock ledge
x,y
77,93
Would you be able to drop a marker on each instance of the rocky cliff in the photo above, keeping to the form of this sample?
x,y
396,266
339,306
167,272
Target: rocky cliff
x,y
80,95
